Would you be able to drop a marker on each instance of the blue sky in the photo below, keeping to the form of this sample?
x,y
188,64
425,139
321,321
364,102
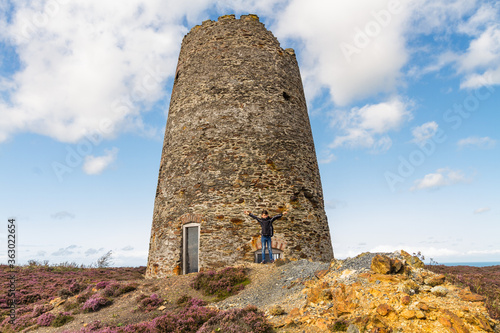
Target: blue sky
x,y
403,98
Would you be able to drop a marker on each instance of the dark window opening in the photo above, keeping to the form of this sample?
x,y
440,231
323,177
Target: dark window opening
x,y
286,96
177,76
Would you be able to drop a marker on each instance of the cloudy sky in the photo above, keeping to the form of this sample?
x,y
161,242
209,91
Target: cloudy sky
x,y
403,98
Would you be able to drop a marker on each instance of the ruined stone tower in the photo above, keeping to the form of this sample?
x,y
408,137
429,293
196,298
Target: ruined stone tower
x,y
237,138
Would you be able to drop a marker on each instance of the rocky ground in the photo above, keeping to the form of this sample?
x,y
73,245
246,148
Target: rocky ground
x,y
386,293
372,292
389,292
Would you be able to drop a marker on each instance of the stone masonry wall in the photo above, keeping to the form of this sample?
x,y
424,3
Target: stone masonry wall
x,y
237,138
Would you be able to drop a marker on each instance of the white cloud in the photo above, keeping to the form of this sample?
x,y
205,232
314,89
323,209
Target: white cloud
x,y
474,141
483,51
96,165
485,16
358,49
440,61
327,159
480,64
482,210
354,49
128,248
489,252
366,127
91,252
260,7
428,16
424,132
63,215
442,177
65,251
91,66
130,258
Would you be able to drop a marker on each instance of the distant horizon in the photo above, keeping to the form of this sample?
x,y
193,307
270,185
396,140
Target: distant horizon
x,y
471,264
458,263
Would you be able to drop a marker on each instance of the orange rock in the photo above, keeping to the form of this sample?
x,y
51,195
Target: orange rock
x,y
383,278
397,266
289,322
408,314
314,293
320,274
435,280
449,318
483,323
422,306
412,260
384,309
405,254
409,287
378,324
322,324
445,322
342,308
470,297
381,264
405,300
419,314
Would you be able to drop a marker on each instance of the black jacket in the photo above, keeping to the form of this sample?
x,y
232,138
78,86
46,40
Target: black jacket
x,y
266,224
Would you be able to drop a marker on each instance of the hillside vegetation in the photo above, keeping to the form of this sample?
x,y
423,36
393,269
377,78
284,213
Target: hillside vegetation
x,y
369,293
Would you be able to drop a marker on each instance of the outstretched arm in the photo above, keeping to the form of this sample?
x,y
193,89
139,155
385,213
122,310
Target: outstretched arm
x,y
250,214
278,216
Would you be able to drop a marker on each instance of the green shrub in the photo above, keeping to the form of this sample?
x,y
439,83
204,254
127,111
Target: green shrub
x,y
61,319
338,326
181,301
126,289
223,283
